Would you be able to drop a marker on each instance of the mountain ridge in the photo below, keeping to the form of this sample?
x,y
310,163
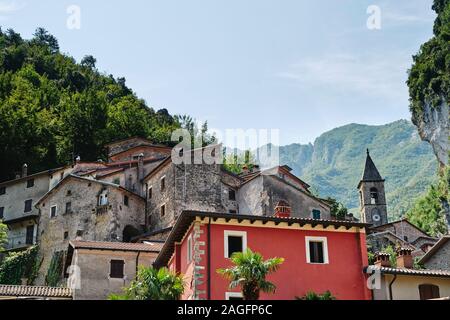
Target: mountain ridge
x,y
333,164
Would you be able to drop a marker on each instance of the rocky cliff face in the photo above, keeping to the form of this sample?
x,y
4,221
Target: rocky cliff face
x,y
433,127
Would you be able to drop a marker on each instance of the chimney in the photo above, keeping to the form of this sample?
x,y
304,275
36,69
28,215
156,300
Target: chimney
x,y
404,258
77,159
382,259
140,167
24,170
282,209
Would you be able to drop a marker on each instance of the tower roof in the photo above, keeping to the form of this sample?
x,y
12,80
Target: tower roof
x,y
370,170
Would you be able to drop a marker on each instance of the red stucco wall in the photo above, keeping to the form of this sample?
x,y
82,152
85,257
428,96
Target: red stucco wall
x,y
342,276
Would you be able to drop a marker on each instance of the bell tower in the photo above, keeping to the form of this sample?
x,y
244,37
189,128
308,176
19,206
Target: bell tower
x,y
372,199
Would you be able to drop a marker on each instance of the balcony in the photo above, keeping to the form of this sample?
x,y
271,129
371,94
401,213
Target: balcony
x,y
20,242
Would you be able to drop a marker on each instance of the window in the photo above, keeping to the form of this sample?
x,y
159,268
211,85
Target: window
x,y
103,199
373,196
316,250
29,235
66,235
231,194
428,291
316,214
69,193
30,183
53,212
150,192
27,205
2,212
79,233
233,296
2,190
189,249
232,211
125,200
116,270
163,183
234,241
163,210
68,207
116,181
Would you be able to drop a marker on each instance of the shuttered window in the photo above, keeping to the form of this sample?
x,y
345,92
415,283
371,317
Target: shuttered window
x,y
116,269
428,291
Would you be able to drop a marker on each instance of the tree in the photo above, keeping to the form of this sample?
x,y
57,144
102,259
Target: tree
x,y
88,61
338,210
3,236
249,273
428,212
235,163
153,284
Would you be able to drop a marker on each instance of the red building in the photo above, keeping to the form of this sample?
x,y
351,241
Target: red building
x,y
319,255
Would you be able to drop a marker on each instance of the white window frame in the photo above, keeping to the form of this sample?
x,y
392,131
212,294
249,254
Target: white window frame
x,y
234,233
56,211
189,249
229,295
324,247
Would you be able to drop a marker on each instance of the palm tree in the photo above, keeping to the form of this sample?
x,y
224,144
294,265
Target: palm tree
x,y
153,284
249,272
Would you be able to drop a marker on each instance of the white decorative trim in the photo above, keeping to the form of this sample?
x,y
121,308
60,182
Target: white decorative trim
x,y
324,247
190,246
229,295
234,233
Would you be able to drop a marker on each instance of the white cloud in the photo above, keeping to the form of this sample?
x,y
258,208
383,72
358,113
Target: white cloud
x,y
8,7
368,74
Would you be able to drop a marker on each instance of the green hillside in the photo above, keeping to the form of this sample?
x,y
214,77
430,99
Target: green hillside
x,y
334,164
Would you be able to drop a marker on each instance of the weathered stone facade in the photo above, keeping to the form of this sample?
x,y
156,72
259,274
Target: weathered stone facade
x,y
439,256
86,209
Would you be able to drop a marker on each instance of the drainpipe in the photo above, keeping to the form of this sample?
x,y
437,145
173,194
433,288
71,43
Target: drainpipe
x,y
209,258
137,262
390,287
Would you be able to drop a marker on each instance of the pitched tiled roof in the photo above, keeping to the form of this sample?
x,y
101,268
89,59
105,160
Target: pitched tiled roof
x,y
34,291
148,246
411,272
435,248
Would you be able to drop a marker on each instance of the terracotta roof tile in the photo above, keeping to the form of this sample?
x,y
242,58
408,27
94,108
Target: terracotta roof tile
x,y
148,246
412,272
35,291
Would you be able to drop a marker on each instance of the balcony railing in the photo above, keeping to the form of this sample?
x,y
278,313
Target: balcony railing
x,y
18,242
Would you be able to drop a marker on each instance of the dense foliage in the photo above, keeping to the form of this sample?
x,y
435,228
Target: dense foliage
x,y
338,210
153,284
317,296
3,236
249,273
236,162
19,265
55,269
334,164
429,77
428,213
53,109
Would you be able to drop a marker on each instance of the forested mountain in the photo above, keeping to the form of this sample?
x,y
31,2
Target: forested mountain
x,y
53,108
334,164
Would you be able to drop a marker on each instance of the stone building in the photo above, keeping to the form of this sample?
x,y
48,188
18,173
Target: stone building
x,y
174,188
438,257
373,209
88,209
17,211
372,197
94,270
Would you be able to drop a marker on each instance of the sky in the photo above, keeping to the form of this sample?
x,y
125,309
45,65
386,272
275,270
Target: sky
x,y
302,67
